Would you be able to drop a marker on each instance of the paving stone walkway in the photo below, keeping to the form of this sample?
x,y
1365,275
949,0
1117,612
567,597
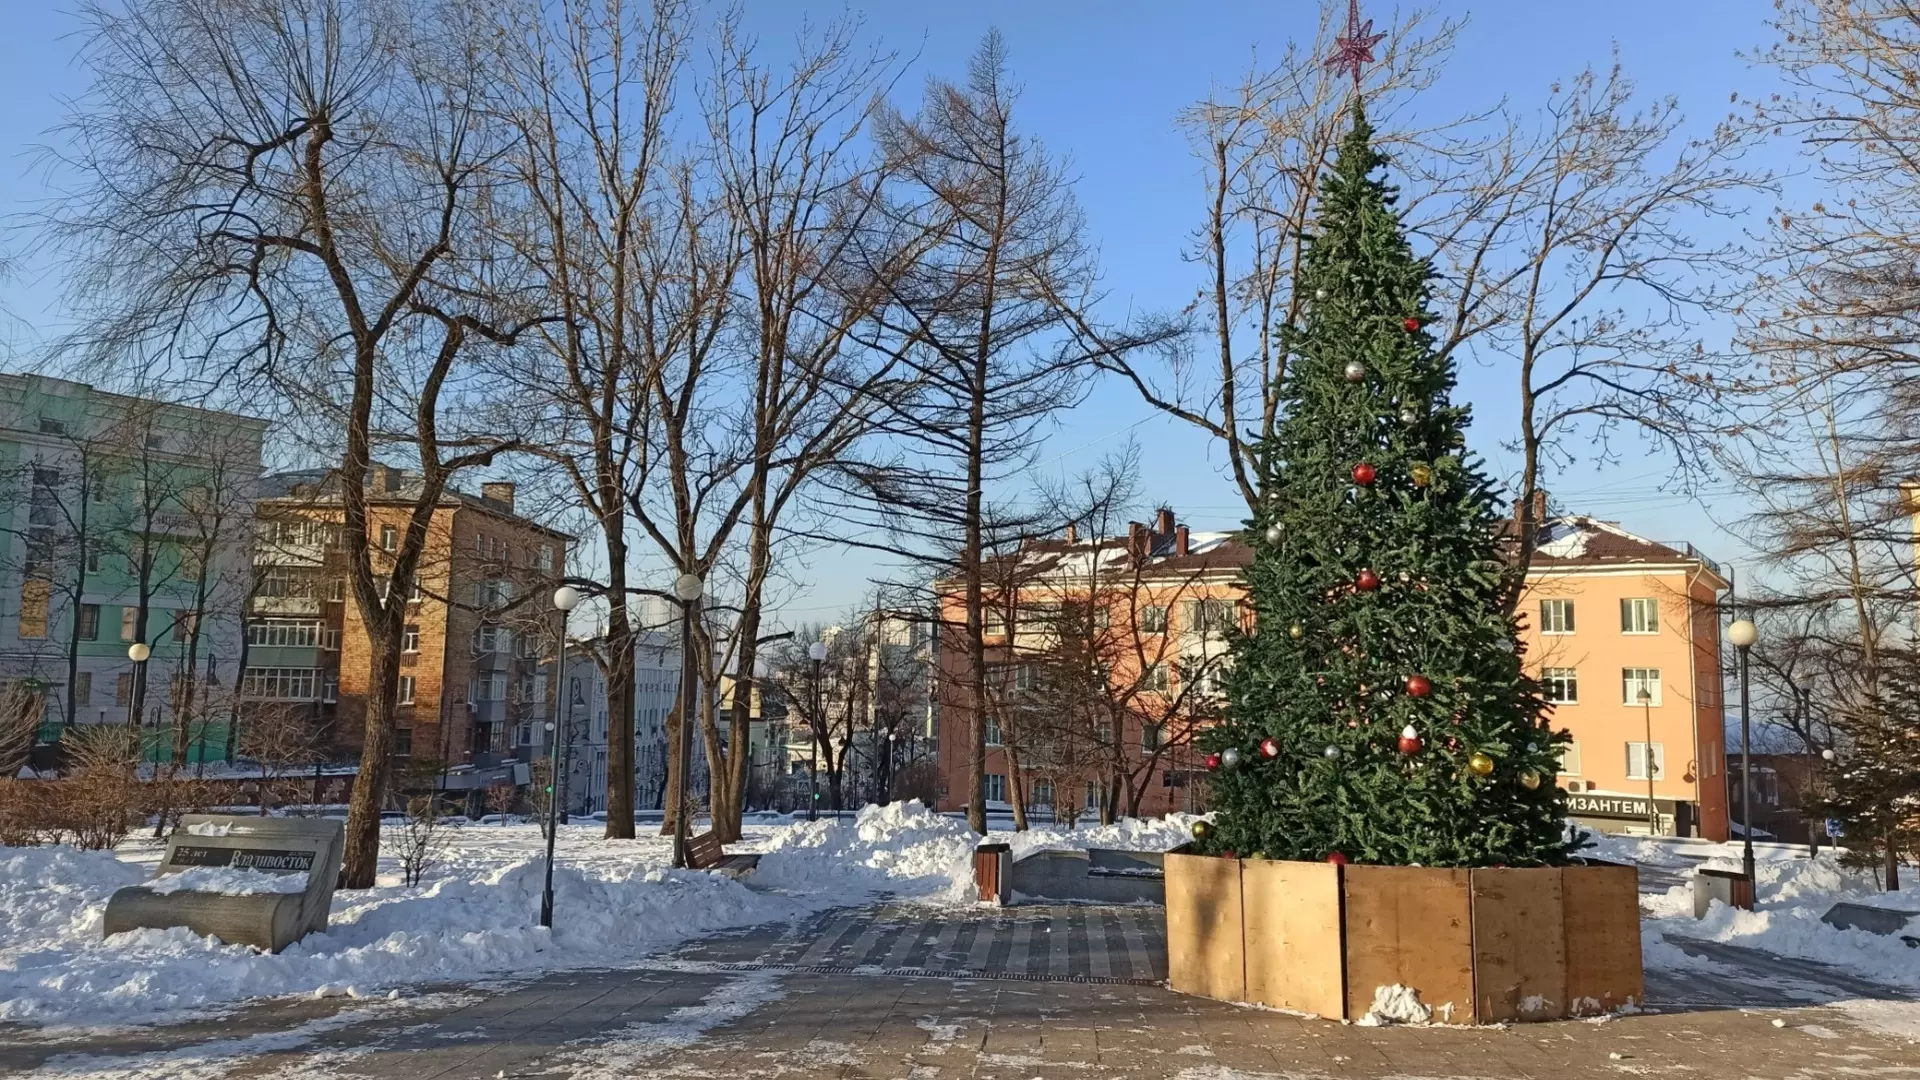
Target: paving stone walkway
x,y
890,993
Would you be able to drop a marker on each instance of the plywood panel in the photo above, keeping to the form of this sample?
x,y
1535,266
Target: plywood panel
x,y
1292,919
1519,948
1601,906
1205,950
1410,926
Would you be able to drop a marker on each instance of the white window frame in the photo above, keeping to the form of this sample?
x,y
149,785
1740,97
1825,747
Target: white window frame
x,y
407,689
389,538
1636,611
280,684
994,734
1153,619
1561,685
995,787
1157,678
1634,677
1570,759
410,638
284,633
546,557
1636,761
1563,624
1153,737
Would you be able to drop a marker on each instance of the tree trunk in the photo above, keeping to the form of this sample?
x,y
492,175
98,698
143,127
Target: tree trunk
x,y
376,761
1893,857
620,704
676,730
1016,782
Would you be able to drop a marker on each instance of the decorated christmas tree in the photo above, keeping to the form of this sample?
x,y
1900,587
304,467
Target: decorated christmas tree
x,y
1378,711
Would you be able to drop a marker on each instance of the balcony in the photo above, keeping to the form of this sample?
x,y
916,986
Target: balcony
x,y
287,605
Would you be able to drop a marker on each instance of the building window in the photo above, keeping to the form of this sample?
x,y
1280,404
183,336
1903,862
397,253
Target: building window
x,y
1093,796
491,687
1570,759
1042,793
51,426
283,633
1156,678
82,689
337,591
1152,737
89,616
184,624
280,583
1640,685
403,742
1208,616
546,556
129,620
34,594
93,559
1556,616
1024,677
1637,761
996,787
410,639
330,640
993,730
1153,620
1562,685
405,697
389,538
1639,615
279,684
123,689
330,690
487,639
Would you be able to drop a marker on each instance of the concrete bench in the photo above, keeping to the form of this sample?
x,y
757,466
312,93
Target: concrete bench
x,y
1887,922
309,849
1099,876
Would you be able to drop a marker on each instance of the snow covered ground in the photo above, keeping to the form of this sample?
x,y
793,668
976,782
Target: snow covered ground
x,y
473,918
1793,892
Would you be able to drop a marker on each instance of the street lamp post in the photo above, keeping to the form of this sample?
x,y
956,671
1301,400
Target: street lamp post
x,y
564,599
138,652
687,588
816,652
1743,634
1653,808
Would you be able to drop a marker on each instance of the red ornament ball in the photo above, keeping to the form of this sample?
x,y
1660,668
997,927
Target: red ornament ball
x,y
1368,581
1363,474
1419,686
1229,854
1269,747
1411,324
1213,761
1410,740
1337,859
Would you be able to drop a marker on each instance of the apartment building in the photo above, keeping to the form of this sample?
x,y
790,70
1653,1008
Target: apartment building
x,y
479,647
1149,611
656,686
1623,632
126,521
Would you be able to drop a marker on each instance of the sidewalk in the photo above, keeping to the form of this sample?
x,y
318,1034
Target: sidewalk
x,y
857,995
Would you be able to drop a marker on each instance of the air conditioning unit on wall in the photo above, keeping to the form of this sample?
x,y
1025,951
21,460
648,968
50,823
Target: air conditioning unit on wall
x,y
1576,785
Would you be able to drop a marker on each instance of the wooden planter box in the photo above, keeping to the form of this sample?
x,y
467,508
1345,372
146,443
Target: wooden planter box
x,y
1480,946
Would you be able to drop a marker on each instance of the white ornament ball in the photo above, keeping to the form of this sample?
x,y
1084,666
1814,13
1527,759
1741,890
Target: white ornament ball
x,y
1356,371
1275,532
1408,416
1331,752
1319,294
1230,758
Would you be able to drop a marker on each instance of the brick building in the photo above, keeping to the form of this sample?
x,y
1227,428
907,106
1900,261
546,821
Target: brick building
x,y
476,669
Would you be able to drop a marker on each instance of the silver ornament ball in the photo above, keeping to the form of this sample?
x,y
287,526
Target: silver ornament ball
x,y
1331,752
1319,294
1408,416
1230,758
1275,532
1356,371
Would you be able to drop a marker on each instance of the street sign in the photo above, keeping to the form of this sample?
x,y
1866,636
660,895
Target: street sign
x,y
1833,827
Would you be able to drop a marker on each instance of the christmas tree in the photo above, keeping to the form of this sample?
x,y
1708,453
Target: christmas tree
x,y
1378,712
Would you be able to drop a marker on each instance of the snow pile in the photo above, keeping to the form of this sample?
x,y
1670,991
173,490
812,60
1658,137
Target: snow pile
x,y
1792,895
1395,1004
901,848
228,881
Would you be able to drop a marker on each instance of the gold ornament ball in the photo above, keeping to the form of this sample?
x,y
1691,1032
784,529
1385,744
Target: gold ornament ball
x,y
1422,475
1530,780
1296,631
1202,830
1480,764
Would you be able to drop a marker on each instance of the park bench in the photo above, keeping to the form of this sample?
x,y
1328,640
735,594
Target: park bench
x,y
704,852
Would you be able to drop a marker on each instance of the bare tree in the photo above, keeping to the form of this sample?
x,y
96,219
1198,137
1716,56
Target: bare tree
x,y
995,325
1566,245
301,197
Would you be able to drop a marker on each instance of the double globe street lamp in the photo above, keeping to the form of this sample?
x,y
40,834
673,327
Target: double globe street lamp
x,y
687,588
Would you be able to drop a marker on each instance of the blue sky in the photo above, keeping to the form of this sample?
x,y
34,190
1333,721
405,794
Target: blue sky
x,y
1102,82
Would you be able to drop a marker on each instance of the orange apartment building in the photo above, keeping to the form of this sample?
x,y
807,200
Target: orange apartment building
x,y
1606,616
475,673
